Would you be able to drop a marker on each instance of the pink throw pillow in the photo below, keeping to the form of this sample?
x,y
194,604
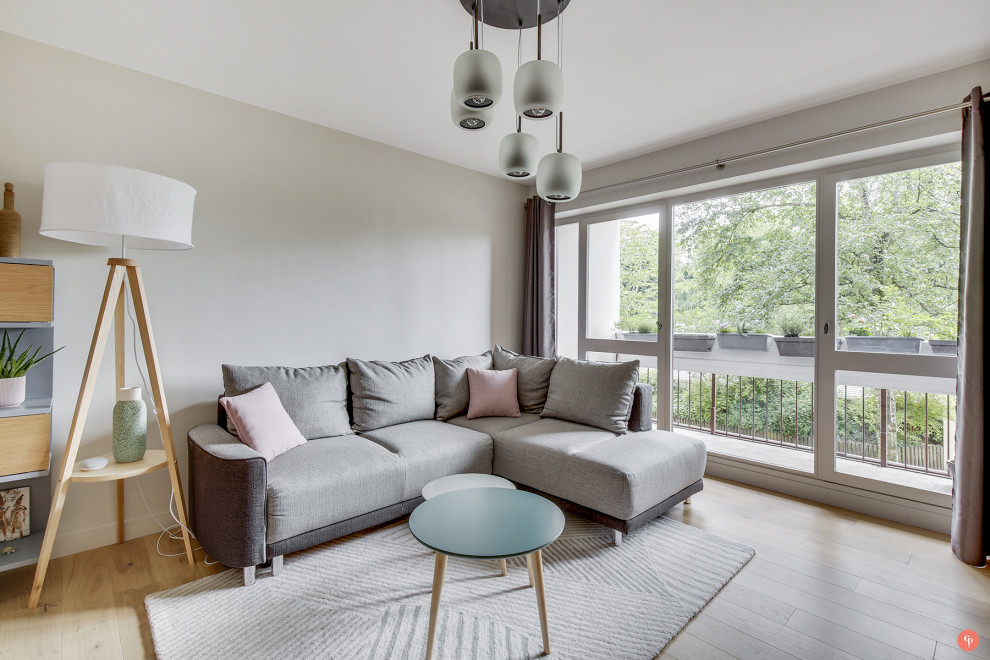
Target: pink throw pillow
x,y
492,393
262,423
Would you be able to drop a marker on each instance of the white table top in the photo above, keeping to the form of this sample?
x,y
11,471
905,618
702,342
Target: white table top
x,y
462,482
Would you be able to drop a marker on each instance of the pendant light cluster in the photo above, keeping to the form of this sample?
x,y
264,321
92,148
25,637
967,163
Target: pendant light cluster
x,y
538,95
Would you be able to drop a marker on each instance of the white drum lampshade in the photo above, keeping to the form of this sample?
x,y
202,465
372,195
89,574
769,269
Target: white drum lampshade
x,y
477,79
538,90
98,204
558,178
518,155
470,119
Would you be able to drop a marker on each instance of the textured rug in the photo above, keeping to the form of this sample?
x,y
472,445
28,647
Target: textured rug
x,y
368,597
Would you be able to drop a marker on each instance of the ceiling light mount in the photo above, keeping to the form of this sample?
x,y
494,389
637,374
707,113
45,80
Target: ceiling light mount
x,y
511,14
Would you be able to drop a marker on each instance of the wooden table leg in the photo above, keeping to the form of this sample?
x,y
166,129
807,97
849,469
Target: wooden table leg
x,y
505,570
120,510
541,599
438,572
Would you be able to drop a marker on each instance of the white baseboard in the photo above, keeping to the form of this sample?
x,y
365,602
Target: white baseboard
x,y
918,514
96,537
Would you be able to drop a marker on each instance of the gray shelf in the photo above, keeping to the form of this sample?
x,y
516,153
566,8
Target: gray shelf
x,y
33,406
28,262
24,476
27,551
26,324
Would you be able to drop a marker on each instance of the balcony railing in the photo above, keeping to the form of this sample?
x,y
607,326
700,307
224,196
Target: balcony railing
x,y
890,428
895,428
765,410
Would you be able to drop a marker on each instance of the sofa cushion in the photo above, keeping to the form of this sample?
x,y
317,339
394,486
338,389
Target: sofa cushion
x,y
261,421
314,397
328,480
494,393
389,393
429,450
619,476
493,425
452,384
534,376
598,394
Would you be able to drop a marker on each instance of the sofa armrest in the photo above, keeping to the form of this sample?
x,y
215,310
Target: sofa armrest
x,y
641,415
228,483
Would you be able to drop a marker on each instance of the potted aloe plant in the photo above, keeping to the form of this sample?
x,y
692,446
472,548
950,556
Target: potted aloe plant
x,y
14,367
793,344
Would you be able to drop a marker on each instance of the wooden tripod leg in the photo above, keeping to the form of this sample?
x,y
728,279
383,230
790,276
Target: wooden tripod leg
x,y
120,360
158,393
103,320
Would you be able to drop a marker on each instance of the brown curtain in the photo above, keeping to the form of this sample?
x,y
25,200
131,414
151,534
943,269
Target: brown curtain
x,y
970,501
539,311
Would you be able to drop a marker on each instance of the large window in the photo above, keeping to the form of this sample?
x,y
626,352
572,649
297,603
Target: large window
x,y
807,324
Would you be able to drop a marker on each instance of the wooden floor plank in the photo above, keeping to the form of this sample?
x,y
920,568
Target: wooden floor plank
x,y
688,647
733,641
926,607
100,642
842,638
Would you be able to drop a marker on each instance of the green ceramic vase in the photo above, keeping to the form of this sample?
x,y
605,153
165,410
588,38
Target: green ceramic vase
x,y
130,426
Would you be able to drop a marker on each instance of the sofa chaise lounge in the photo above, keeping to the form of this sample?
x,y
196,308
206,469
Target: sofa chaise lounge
x,y
377,432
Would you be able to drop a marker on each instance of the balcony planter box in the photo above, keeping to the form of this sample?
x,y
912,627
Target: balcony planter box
x,y
639,336
943,346
795,346
884,344
694,342
739,342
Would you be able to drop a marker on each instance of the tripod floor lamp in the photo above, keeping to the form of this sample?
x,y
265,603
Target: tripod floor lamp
x,y
98,204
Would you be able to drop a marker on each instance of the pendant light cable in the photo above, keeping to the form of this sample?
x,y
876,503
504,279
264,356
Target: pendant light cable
x,y
560,38
482,2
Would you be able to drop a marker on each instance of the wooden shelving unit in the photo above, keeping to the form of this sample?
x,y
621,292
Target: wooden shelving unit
x,y
26,287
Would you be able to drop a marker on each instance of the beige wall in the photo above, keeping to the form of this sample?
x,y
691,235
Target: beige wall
x,y
311,245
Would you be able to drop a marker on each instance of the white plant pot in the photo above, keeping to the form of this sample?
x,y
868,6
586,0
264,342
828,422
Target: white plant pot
x,y
12,391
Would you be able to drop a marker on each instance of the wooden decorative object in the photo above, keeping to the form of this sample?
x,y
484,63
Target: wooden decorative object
x,y
112,313
10,225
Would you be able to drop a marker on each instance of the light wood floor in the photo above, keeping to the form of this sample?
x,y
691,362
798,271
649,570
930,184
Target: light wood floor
x,y
825,583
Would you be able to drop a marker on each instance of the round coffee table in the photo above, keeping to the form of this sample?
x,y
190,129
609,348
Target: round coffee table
x,y
487,523
463,482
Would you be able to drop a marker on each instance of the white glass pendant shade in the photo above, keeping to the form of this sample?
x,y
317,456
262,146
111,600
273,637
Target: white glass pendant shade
x,y
518,155
477,79
470,119
558,178
538,90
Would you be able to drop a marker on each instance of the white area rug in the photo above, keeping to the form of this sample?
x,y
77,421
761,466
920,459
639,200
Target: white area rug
x,y
368,597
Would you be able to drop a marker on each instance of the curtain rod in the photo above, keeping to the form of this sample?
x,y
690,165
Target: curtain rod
x,y
719,163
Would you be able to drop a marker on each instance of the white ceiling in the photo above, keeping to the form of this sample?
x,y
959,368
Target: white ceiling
x,y
639,74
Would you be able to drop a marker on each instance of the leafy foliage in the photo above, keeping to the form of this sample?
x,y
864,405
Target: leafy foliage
x,y
14,365
751,258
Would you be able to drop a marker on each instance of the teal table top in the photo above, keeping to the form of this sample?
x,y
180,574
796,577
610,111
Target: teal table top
x,y
486,523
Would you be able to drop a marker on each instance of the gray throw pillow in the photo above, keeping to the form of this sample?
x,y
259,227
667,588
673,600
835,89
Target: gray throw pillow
x,y
534,376
598,394
314,397
451,382
389,393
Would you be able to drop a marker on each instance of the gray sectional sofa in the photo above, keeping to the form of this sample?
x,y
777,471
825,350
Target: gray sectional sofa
x,y
390,439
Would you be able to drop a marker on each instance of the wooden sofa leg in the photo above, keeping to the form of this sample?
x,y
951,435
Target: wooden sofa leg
x,y
249,575
687,501
616,537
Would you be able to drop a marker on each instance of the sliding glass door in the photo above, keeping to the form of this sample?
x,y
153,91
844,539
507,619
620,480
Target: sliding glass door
x,y
890,262
743,319
612,291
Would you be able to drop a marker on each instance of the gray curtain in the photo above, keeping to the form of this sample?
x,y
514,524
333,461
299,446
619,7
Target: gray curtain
x,y
971,498
539,310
